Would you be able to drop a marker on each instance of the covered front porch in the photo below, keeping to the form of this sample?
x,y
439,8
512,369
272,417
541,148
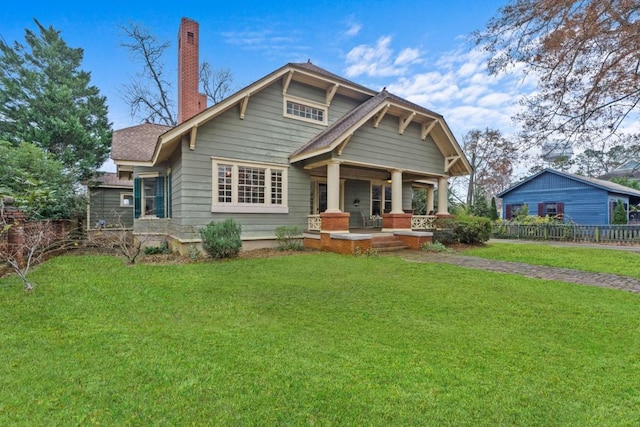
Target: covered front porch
x,y
351,206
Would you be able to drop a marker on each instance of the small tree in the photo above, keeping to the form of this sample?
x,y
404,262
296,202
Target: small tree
x,y
480,206
619,213
493,210
26,243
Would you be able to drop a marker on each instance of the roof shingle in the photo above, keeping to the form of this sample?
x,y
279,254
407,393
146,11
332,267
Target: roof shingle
x,y
136,143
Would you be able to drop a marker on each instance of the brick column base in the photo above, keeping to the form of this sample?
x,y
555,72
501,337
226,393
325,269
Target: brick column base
x,y
391,222
335,222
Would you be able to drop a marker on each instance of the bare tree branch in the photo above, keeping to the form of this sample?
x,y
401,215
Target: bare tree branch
x,y
585,56
148,94
216,83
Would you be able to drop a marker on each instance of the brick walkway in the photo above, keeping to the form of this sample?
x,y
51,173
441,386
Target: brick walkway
x,y
604,280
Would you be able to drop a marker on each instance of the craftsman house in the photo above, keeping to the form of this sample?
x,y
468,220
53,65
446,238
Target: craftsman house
x,y
300,147
568,197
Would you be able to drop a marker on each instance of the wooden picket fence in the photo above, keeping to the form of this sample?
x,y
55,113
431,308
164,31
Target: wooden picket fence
x,y
568,232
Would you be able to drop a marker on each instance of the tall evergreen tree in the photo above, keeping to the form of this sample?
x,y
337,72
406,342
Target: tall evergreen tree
x,y
47,100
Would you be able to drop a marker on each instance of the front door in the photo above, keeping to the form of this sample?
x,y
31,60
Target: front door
x,y
318,202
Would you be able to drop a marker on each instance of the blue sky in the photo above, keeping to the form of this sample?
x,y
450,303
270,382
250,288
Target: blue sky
x,y
417,49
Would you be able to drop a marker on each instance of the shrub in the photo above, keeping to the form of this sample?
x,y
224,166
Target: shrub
x,y
289,238
221,239
435,246
163,249
470,229
619,213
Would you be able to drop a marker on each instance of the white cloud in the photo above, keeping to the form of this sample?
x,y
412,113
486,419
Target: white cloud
x,y
379,61
353,29
408,56
495,99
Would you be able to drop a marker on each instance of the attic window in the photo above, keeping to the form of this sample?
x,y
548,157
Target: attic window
x,y
305,110
190,37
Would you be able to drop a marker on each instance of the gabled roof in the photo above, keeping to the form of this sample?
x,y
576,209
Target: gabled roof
x,y
594,182
324,140
167,139
342,128
136,143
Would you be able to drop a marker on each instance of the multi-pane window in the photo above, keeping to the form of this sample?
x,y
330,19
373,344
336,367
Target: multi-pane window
x,y
305,111
276,187
224,183
251,185
149,197
242,187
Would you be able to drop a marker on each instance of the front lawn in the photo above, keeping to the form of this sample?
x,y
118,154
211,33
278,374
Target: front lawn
x,y
588,259
314,339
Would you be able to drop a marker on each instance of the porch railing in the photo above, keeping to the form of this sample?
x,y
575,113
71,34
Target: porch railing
x,y
569,232
423,222
314,222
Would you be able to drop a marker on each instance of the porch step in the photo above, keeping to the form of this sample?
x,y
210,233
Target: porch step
x,y
387,244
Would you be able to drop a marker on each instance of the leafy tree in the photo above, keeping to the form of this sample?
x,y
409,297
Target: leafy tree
x,y
46,99
149,94
597,162
619,213
492,158
40,185
584,55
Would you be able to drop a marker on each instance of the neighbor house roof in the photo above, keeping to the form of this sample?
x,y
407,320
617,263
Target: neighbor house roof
x,y
110,179
136,143
598,183
628,170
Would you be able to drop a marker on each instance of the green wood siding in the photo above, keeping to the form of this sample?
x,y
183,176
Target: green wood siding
x,y
263,136
104,204
385,146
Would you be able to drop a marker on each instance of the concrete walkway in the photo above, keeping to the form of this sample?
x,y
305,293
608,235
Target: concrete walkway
x,y
604,280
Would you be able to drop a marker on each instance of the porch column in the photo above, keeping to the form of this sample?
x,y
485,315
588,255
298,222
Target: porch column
x,y
429,199
443,196
396,192
333,187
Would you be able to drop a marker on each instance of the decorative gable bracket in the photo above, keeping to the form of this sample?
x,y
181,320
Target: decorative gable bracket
x,y
286,82
427,128
343,144
449,162
378,118
243,105
403,122
331,92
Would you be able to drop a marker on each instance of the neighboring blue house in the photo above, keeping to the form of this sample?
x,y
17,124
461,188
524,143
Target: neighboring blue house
x,y
570,197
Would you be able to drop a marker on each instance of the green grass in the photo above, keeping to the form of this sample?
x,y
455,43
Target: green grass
x,y
316,339
587,259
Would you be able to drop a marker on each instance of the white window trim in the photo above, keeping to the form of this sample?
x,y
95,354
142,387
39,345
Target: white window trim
x,y
308,103
383,199
143,176
122,196
234,206
316,193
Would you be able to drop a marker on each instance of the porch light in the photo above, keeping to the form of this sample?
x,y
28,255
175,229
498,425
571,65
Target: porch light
x,y
389,178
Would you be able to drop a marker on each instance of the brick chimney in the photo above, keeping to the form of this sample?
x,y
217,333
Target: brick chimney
x,y
190,100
